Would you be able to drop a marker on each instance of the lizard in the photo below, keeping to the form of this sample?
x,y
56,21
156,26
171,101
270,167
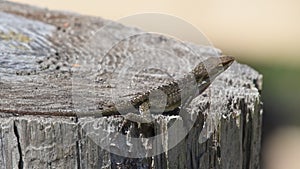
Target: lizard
x,y
179,93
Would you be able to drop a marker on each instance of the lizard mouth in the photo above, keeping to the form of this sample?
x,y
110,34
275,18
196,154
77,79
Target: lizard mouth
x,y
227,61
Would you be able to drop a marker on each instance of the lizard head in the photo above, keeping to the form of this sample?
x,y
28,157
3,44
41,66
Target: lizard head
x,y
209,69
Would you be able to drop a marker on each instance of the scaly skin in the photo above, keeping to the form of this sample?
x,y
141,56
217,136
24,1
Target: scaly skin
x,y
181,91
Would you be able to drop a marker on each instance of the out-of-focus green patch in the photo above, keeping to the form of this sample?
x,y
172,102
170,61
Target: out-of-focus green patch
x,y
281,90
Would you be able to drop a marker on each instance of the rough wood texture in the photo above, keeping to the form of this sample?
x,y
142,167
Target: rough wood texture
x,y
49,65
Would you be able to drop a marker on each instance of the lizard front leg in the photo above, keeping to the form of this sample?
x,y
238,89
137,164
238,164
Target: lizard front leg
x,y
143,117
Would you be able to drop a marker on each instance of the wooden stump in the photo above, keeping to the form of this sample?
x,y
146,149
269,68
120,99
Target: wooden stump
x,y
47,84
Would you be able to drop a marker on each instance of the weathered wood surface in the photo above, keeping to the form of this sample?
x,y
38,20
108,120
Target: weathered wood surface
x,y
50,65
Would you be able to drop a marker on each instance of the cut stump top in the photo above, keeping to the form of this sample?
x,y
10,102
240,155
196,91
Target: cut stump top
x,y
60,63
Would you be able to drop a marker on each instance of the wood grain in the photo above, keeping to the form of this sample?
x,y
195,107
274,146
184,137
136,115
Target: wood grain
x,y
58,63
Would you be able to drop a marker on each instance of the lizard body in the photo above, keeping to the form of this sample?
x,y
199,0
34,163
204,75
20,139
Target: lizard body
x,y
178,92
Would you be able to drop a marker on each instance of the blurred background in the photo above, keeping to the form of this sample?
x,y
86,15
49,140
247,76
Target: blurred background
x,y
264,34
